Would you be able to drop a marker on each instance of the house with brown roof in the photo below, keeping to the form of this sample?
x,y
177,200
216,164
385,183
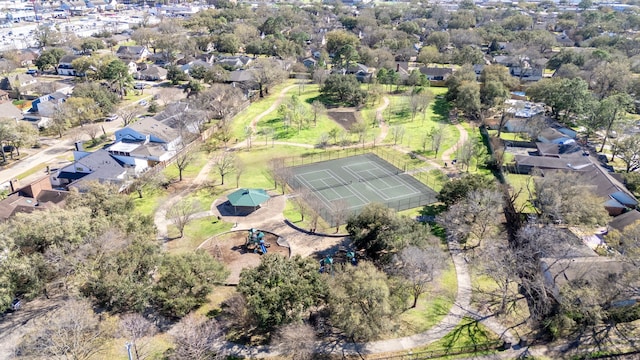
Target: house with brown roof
x,y
132,53
38,195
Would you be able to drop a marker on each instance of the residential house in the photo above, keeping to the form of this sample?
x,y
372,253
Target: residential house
x,y
152,73
39,195
132,68
580,271
310,63
98,166
436,74
52,100
27,58
624,220
18,82
551,135
234,62
10,111
132,53
187,67
65,67
151,130
559,150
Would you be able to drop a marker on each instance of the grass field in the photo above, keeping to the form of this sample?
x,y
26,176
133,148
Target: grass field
x,y
524,185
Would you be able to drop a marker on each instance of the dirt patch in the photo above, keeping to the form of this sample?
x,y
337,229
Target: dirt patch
x,y
231,250
345,117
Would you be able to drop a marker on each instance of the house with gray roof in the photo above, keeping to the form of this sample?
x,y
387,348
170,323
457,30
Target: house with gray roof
x,y
132,53
152,73
98,166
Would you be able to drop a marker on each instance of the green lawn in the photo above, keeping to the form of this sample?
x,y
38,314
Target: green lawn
x,y
192,169
195,233
510,136
432,306
244,118
468,333
151,199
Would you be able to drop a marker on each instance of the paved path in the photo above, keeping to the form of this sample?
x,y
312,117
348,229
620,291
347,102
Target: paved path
x,y
446,156
384,127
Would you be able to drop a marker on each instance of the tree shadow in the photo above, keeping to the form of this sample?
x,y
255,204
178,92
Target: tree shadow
x,y
441,109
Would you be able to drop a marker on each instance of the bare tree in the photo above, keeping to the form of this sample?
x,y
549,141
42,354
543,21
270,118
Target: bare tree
x,y
182,212
498,263
148,180
166,95
419,267
296,341
92,130
300,201
436,134
473,219
135,327
340,212
225,131
183,159
280,173
248,132
72,332
221,100
318,110
397,132
225,163
129,114
195,338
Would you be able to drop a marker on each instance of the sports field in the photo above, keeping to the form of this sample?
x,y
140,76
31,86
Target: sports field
x,y
352,182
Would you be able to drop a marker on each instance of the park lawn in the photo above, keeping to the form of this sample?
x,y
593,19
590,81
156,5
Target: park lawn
x,y
193,168
432,306
152,347
244,118
509,136
524,184
195,233
151,199
256,162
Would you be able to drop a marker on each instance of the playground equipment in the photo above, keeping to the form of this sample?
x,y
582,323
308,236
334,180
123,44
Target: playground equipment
x,y
326,264
255,241
340,257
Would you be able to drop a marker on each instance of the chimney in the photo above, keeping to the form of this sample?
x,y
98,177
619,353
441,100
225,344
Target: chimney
x,y
14,185
79,146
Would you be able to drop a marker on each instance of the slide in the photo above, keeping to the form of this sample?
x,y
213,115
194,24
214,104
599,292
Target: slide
x,y
263,248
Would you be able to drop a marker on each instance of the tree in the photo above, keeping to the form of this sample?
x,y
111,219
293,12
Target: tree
x,y
144,36
343,89
498,262
72,332
280,290
380,232
193,88
566,197
80,111
468,98
458,189
439,39
195,338
136,328
629,152
46,36
129,114
429,54
360,302
266,73
318,110
472,218
118,73
296,341
225,164
465,74
185,280
437,136
419,266
92,130
103,97
183,159
49,59
239,169
612,108
119,279
339,39
182,212
567,97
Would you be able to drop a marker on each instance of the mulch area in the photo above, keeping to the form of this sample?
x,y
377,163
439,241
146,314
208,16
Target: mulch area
x,y
346,117
230,249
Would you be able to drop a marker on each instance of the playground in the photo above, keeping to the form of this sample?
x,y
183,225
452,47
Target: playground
x,y
359,180
242,249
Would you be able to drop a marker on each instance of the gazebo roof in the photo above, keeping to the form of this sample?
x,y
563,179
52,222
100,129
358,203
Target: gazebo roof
x,y
248,197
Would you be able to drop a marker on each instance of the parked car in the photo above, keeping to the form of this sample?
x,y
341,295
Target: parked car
x,y
143,103
32,72
111,117
138,86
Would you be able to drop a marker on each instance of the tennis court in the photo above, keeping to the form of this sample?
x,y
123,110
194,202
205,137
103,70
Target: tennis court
x,y
356,181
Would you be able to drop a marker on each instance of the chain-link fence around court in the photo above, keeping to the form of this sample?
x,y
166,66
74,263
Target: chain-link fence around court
x,y
341,184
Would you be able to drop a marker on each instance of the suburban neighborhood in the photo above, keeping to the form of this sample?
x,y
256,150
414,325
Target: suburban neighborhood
x,y
319,180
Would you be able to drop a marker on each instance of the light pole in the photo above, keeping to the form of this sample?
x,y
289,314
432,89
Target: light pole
x,y
128,347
